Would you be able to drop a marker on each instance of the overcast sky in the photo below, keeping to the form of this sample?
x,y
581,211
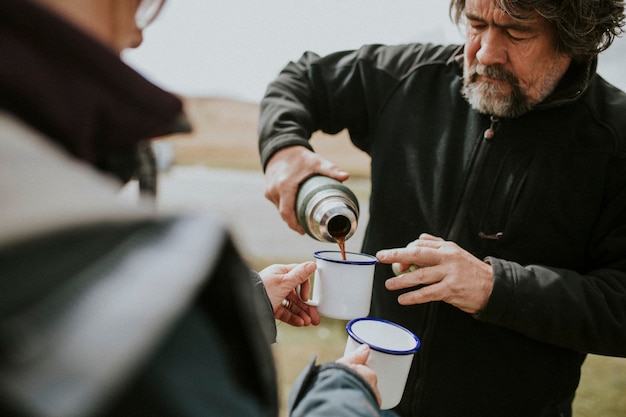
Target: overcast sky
x,y
233,48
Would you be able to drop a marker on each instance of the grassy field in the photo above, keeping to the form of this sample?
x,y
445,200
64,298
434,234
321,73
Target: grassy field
x,y
225,136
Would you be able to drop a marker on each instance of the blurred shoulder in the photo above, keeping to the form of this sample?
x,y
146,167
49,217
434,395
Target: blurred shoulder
x,y
45,188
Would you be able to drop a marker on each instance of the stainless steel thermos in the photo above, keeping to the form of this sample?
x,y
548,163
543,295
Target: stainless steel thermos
x,y
327,210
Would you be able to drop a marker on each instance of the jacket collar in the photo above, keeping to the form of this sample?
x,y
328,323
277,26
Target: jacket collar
x,y
76,90
572,85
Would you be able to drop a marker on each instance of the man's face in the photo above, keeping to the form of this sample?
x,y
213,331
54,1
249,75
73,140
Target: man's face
x,y
509,64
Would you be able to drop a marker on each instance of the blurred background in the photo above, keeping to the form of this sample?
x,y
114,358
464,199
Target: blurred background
x,y
219,56
234,48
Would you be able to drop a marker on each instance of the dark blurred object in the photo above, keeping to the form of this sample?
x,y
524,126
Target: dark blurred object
x,y
152,317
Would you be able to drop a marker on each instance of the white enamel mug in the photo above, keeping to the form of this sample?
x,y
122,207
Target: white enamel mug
x,y
342,289
392,348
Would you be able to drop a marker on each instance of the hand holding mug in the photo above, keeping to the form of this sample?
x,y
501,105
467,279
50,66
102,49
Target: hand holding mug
x,y
356,360
391,347
446,273
281,282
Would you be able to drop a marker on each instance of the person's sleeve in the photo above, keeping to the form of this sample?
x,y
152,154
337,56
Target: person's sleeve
x,y
331,389
344,90
585,313
581,310
264,309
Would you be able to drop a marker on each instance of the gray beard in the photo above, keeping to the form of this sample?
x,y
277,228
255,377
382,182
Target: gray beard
x,y
487,99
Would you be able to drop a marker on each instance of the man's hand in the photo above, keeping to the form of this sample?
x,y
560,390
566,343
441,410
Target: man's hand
x,y
445,273
286,170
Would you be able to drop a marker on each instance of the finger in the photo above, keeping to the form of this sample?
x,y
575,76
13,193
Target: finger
x,y
427,236
329,169
356,360
314,315
309,316
286,316
272,196
399,269
299,308
429,243
417,255
293,310
422,295
287,201
420,276
300,273
276,269
298,279
287,210
296,305
412,244
358,356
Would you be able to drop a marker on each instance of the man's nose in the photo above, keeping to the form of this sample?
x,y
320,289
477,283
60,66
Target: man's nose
x,y
492,48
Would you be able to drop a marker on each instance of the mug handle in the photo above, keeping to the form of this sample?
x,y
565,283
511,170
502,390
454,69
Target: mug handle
x,y
310,301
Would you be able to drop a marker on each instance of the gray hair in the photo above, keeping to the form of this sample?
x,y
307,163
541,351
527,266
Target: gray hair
x,y
584,27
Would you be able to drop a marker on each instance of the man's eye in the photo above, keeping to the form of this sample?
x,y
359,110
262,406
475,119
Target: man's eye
x,y
517,36
477,26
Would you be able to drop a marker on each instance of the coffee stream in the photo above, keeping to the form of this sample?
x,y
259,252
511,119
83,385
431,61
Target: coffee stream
x,y
338,228
341,240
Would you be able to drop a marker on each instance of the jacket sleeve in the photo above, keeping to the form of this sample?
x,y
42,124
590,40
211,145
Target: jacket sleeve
x,y
343,90
581,310
263,307
331,389
585,313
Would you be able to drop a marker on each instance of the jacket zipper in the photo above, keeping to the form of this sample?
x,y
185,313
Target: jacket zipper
x,y
472,182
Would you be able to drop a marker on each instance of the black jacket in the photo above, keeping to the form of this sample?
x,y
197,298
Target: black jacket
x,y
544,200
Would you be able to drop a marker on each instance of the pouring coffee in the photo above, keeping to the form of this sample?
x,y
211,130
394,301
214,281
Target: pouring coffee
x,y
327,210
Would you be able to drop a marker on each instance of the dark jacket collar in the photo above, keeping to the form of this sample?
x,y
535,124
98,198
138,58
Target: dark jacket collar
x,y
74,89
572,85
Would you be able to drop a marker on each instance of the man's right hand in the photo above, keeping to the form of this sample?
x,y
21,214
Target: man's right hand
x,y
286,170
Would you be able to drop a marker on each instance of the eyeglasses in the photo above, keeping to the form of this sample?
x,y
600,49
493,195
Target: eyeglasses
x,y
147,11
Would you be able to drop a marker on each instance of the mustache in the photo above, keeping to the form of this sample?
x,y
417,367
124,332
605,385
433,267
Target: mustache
x,y
495,72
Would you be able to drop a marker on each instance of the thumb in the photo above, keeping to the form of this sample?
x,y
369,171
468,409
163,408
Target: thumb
x,y
301,272
360,355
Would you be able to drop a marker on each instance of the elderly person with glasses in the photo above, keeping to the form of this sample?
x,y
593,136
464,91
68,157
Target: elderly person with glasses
x,y
107,308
